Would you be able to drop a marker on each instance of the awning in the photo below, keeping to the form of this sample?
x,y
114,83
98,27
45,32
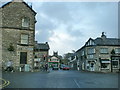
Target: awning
x,y
53,61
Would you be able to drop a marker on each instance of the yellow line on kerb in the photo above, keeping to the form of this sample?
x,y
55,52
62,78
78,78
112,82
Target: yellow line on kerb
x,y
6,83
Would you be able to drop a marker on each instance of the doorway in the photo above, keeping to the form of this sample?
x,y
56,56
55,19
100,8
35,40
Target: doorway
x,y
23,57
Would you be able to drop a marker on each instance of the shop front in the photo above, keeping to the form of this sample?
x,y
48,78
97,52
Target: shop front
x,y
90,66
115,66
105,65
51,64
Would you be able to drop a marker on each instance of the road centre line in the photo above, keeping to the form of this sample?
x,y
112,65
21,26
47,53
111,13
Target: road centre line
x,y
76,83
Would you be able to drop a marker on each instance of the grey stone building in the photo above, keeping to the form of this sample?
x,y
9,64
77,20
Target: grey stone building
x,y
100,55
41,52
72,61
18,34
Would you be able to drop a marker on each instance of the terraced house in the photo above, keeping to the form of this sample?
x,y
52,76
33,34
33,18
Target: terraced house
x,y
41,51
100,55
18,34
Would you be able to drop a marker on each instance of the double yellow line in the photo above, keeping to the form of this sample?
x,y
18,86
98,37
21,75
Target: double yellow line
x,y
4,83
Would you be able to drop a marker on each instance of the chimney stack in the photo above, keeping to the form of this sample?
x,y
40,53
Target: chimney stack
x,y
18,1
103,36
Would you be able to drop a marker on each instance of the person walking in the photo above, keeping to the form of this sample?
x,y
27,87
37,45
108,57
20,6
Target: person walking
x,y
46,67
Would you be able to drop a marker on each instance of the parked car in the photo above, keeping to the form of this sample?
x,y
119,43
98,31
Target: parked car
x,y
55,68
66,68
61,66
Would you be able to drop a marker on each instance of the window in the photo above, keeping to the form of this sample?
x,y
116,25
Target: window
x,y
25,22
90,43
115,63
91,50
83,53
104,50
24,39
90,56
104,65
117,50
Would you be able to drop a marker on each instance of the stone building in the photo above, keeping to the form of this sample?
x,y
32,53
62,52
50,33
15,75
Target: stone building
x,y
101,54
73,62
18,34
41,51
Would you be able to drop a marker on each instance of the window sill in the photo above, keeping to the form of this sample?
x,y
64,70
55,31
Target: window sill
x,y
104,53
24,44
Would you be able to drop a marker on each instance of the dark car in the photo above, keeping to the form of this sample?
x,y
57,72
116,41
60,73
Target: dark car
x,y
66,68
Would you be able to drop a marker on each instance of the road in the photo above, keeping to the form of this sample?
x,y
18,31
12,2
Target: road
x,y
61,79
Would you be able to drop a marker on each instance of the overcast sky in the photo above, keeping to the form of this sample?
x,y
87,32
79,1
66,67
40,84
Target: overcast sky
x,y
66,26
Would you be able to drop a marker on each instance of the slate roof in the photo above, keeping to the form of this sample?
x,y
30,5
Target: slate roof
x,y
42,46
3,4
103,42
107,41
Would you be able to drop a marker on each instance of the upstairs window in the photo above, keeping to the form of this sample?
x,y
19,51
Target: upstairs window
x,y
90,43
104,50
117,50
24,39
91,50
25,22
83,53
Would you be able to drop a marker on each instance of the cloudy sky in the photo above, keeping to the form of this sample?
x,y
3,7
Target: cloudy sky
x,y
66,26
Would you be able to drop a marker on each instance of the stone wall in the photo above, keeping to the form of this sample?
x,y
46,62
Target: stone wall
x,y
12,29
13,13
13,36
96,56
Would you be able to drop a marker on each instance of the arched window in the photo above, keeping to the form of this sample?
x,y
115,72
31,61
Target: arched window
x,y
25,22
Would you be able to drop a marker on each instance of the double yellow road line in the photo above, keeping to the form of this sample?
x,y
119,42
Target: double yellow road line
x,y
4,83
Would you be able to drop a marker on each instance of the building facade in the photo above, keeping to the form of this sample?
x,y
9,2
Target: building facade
x,y
101,55
18,35
73,61
54,60
41,53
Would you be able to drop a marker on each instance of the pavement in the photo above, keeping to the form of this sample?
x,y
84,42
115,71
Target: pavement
x,y
61,79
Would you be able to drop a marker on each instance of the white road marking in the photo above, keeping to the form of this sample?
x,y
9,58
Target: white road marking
x,y
76,83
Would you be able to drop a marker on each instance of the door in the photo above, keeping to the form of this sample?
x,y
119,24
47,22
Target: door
x,y
23,57
92,68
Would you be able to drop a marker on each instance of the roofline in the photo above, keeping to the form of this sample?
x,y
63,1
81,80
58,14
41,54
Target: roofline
x,y
95,46
22,2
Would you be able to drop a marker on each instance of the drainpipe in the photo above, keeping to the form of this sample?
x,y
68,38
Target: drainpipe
x,y
111,65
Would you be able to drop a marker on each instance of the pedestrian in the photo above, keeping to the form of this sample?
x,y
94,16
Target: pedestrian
x,y
46,67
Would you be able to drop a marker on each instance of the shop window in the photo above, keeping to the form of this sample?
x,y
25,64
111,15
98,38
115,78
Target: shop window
x,y
104,65
115,64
